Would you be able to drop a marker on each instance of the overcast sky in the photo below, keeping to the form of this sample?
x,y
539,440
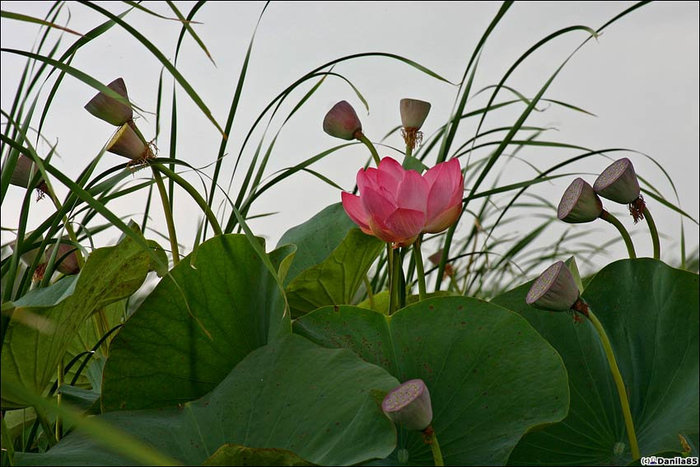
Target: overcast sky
x,y
640,78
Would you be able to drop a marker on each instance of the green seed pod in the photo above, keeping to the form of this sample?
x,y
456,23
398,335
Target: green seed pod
x,y
342,121
579,203
618,182
409,405
554,290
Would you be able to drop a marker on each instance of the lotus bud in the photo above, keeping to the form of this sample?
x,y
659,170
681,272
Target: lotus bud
x,y
66,258
619,183
108,108
128,144
413,114
25,168
342,121
409,405
579,203
554,290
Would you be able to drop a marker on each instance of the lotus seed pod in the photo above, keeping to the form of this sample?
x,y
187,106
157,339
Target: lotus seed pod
x,y
128,144
108,108
409,405
342,121
24,170
413,112
29,256
66,258
579,203
554,290
618,182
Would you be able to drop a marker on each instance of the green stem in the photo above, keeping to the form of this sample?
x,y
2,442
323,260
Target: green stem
x,y
59,398
409,151
392,273
71,233
420,272
654,233
361,136
621,391
370,294
395,259
606,216
168,212
431,438
7,442
194,194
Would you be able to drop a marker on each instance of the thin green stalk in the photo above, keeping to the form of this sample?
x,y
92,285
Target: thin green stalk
x,y
69,228
392,274
420,272
375,155
606,216
168,212
654,233
7,442
194,194
46,426
431,439
409,151
621,391
370,294
59,399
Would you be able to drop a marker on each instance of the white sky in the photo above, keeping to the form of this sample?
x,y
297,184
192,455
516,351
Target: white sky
x,y
640,78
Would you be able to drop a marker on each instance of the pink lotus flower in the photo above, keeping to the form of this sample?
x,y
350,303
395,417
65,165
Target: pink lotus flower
x,y
397,205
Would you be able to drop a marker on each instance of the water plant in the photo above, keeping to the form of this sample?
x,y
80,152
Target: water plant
x,y
191,339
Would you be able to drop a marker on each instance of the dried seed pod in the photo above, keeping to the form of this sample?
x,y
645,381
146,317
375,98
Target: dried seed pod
x,y
108,108
413,113
128,144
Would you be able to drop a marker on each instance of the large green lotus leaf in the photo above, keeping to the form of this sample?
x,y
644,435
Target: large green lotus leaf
x,y
316,238
336,279
650,313
30,354
491,376
291,394
234,454
197,324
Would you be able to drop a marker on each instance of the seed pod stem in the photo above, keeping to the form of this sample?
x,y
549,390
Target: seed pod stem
x,y
619,383
606,216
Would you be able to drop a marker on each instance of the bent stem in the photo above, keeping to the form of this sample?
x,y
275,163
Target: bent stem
x,y
654,233
375,155
430,438
621,391
606,216
420,272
